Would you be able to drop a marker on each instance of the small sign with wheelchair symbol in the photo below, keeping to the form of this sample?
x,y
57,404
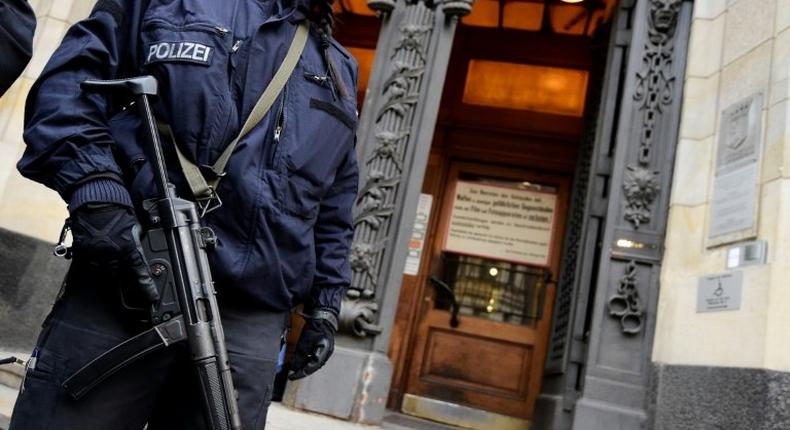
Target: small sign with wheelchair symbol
x,y
720,292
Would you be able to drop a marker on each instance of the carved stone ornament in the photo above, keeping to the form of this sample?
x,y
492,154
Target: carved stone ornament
x,y
363,263
641,188
385,164
389,147
663,20
359,318
625,304
411,40
656,81
655,89
457,8
381,6
370,206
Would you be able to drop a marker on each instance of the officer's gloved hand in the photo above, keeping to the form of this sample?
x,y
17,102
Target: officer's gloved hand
x,y
106,236
316,343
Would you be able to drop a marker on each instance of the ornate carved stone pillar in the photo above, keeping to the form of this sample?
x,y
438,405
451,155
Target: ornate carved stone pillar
x,y
617,371
393,142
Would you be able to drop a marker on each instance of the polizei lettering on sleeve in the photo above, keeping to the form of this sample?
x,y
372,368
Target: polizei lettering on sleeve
x,y
191,52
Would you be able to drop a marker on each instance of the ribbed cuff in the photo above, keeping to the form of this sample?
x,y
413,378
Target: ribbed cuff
x,y
325,297
100,191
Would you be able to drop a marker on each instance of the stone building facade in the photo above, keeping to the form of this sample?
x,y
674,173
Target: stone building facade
x,y
663,304
728,369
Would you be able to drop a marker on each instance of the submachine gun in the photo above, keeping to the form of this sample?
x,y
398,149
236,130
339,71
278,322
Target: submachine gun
x,y
175,249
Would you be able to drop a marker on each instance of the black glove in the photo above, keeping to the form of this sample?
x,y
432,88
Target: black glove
x,y
106,236
316,343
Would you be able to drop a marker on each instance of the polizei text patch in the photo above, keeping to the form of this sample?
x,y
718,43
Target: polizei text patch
x,y
192,52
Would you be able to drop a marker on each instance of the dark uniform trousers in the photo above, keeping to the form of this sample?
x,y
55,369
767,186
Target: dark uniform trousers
x,y
160,390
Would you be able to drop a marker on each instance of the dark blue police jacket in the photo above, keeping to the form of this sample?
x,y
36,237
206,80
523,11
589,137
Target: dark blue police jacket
x,y
286,225
17,24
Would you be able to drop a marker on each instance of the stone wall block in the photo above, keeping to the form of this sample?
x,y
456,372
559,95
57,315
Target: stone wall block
x,y
692,177
749,24
11,144
777,207
705,47
12,132
684,247
672,301
709,9
748,75
9,102
770,199
775,156
782,15
34,209
699,107
61,8
41,7
780,69
80,10
726,338
25,206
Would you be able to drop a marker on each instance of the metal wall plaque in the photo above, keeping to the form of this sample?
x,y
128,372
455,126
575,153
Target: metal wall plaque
x,y
720,292
733,212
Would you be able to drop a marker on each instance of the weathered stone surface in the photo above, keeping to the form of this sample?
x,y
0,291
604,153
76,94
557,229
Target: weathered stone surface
x,y
782,15
748,75
705,47
709,9
749,23
713,398
699,107
352,386
691,182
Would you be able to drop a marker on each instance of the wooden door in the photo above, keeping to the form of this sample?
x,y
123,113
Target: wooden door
x,y
491,357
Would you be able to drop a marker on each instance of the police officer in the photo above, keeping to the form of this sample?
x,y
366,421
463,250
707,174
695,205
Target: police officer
x,y
17,24
285,222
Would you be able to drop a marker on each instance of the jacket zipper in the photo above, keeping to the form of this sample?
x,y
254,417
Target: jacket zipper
x,y
197,26
231,87
323,81
232,61
279,126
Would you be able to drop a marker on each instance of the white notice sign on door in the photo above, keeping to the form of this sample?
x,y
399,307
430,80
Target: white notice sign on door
x,y
502,223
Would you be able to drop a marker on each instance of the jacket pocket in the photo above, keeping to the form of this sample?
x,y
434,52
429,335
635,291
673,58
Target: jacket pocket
x,y
193,65
300,198
335,111
320,129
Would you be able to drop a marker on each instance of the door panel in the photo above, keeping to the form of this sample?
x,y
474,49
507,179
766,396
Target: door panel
x,y
473,362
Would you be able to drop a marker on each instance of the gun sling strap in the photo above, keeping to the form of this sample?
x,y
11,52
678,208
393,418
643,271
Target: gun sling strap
x,y
205,190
